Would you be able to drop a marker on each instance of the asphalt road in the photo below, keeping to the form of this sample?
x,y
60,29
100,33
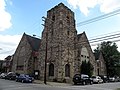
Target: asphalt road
x,y
12,85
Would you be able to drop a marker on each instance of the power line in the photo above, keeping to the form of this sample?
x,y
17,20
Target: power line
x,y
111,41
105,34
99,18
105,37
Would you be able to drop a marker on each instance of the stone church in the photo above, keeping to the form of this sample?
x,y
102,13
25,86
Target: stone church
x,y
60,46
65,48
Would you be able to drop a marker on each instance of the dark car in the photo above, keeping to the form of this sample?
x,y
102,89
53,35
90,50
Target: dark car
x,y
105,79
10,76
82,79
24,78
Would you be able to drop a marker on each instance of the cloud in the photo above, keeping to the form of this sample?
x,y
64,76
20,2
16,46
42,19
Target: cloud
x,y
85,5
107,6
5,17
8,44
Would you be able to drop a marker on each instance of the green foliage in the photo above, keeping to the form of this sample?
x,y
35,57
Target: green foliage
x,y
111,56
87,68
117,89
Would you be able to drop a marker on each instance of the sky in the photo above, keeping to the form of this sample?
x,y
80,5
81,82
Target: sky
x,y
19,16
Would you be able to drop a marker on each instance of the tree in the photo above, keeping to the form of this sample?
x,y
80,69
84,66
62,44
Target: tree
x,y
111,56
87,68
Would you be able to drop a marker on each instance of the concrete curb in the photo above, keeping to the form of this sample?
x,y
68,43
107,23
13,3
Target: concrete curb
x,y
52,83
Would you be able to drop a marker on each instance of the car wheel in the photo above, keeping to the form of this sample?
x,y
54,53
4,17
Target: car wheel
x,y
98,82
83,83
22,81
16,80
91,82
75,83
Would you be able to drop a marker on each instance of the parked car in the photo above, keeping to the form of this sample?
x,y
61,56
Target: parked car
x,y
111,79
104,78
2,75
117,79
97,79
24,78
82,79
10,76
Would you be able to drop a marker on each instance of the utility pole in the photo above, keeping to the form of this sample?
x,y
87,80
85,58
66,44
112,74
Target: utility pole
x,y
46,46
45,70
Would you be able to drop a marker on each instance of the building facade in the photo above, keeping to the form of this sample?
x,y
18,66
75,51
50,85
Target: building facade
x,y
60,46
101,66
64,48
7,64
25,58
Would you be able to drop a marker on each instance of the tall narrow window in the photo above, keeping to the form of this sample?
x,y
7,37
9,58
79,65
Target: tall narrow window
x,y
51,69
53,17
68,33
67,70
68,20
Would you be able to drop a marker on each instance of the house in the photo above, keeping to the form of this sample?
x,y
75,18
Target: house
x,y
7,64
25,59
1,68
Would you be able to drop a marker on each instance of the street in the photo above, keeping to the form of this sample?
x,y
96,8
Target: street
x,y
12,85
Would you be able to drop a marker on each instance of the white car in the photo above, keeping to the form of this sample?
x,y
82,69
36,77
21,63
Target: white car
x,y
2,75
111,79
97,79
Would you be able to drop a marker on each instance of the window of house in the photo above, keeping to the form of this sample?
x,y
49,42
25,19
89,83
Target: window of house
x,y
51,69
67,70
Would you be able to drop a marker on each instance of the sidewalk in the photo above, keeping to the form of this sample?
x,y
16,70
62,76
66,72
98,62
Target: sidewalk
x,y
52,83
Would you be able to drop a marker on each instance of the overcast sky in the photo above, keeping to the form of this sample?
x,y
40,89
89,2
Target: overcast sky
x,y
19,16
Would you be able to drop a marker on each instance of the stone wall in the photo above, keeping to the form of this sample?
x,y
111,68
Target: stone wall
x,y
62,44
22,59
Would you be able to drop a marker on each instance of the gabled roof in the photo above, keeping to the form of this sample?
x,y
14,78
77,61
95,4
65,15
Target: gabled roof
x,y
97,55
79,36
34,42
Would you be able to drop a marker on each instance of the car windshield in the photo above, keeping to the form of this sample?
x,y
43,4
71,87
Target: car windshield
x,y
26,75
84,76
93,76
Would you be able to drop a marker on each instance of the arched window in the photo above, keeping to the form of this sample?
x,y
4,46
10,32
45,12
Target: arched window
x,y
51,69
67,70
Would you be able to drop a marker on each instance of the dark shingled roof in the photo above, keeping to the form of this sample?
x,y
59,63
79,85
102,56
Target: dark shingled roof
x,y
79,36
96,56
34,42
